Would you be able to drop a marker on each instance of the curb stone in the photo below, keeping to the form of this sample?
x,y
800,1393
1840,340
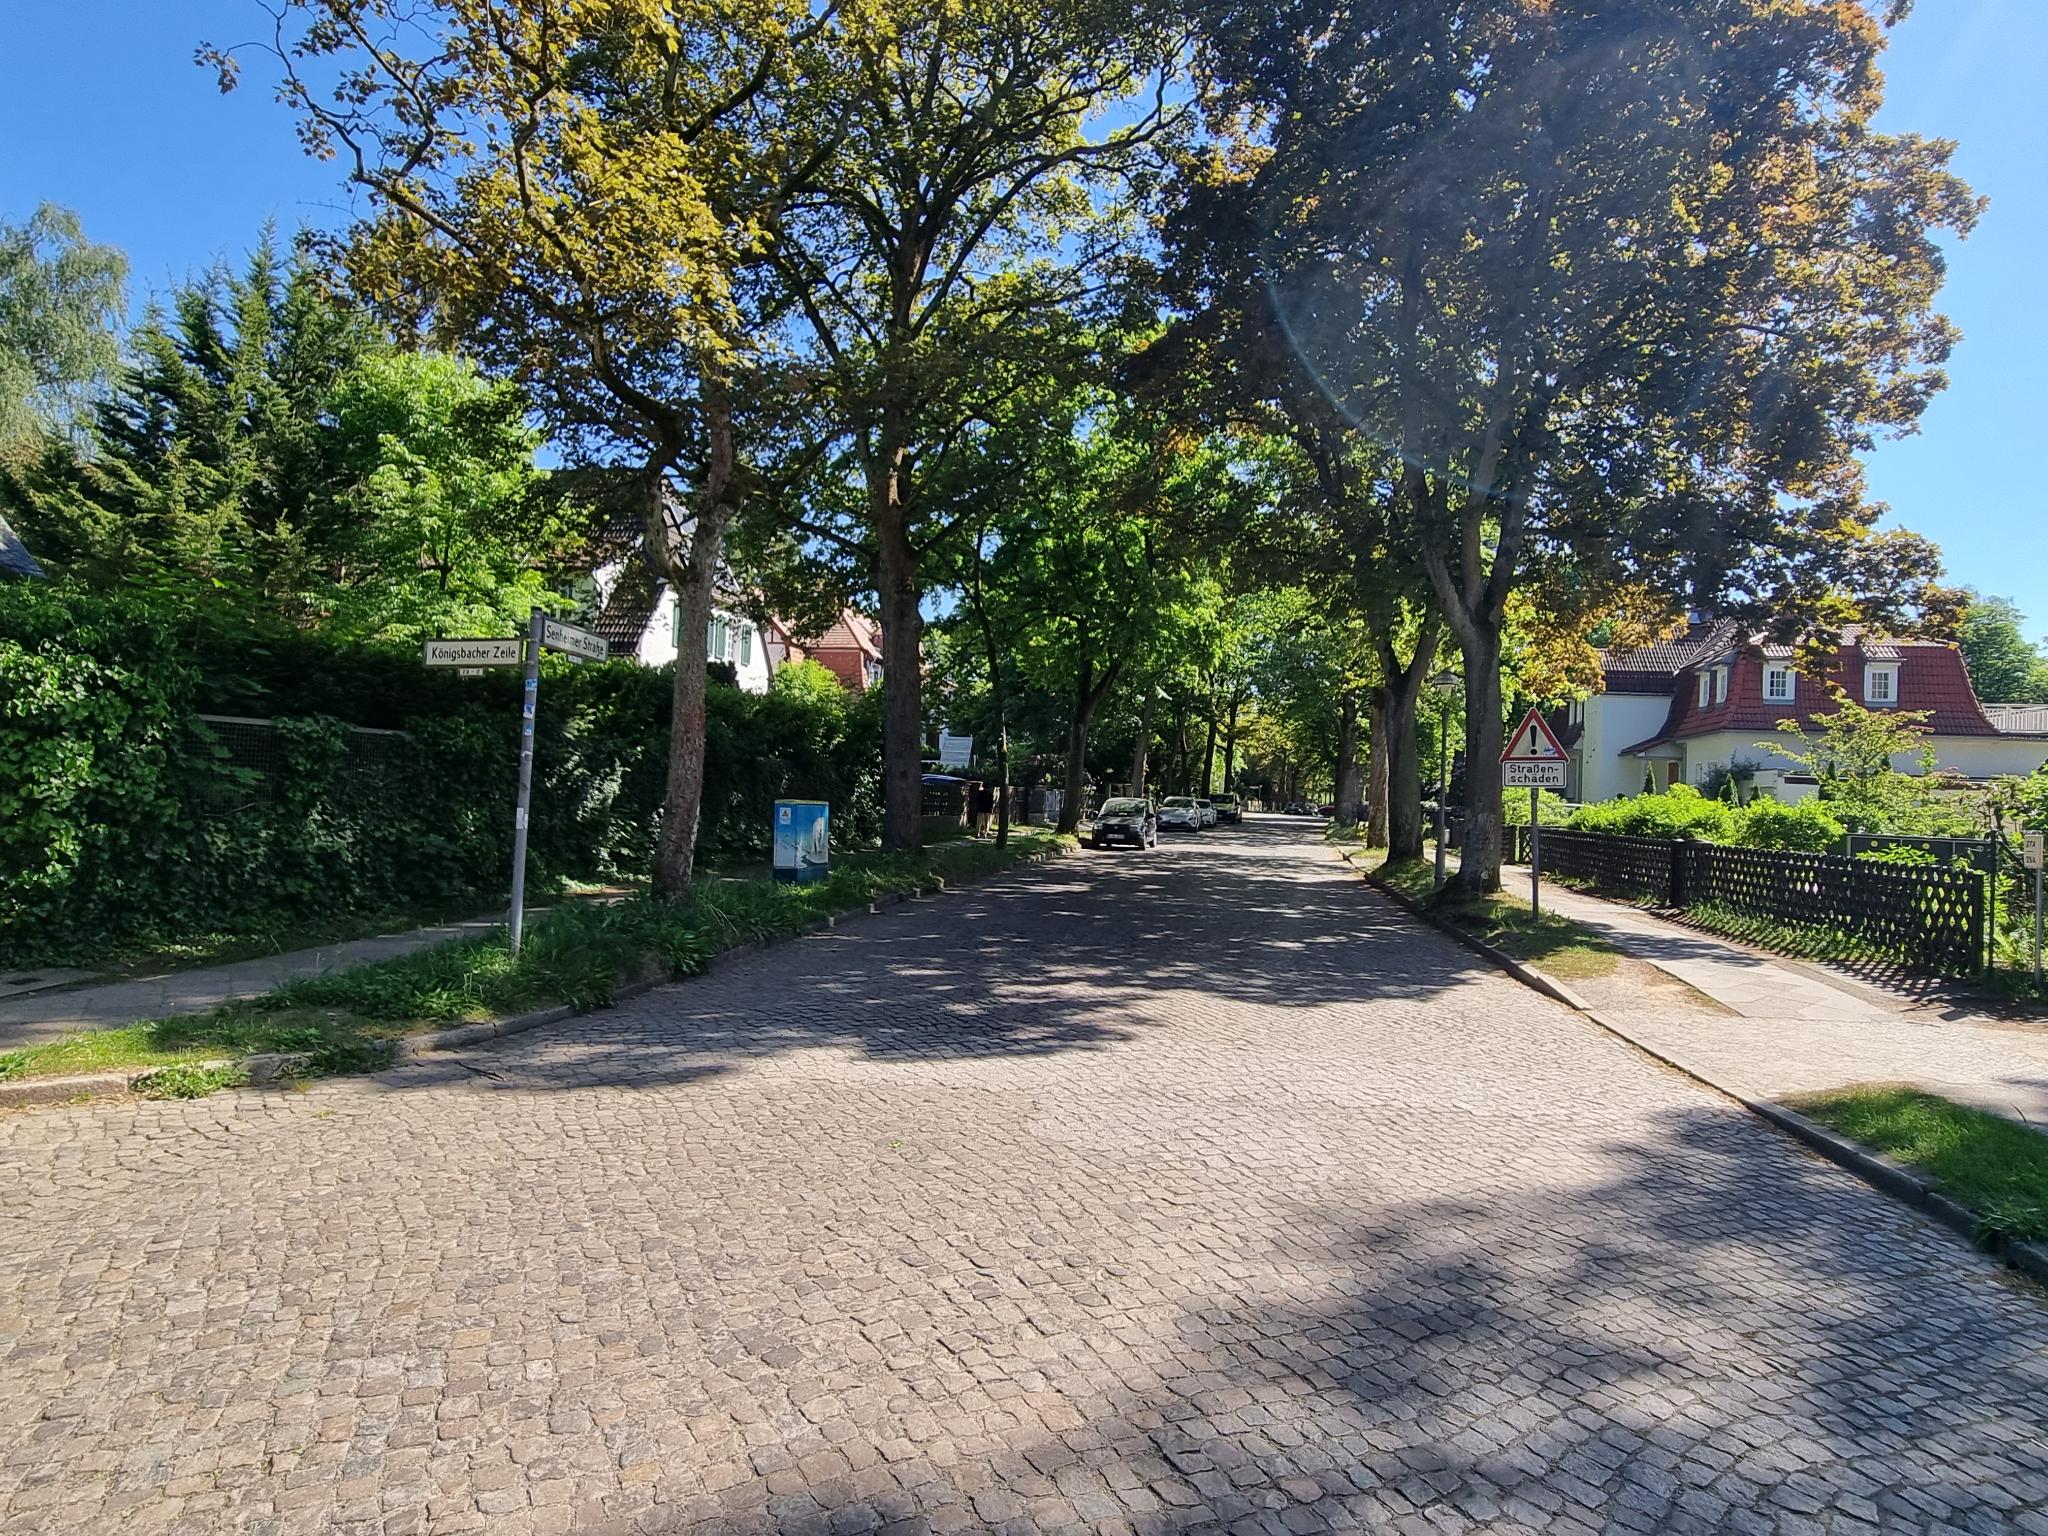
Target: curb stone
x,y
268,1068
413,1047
1527,975
1874,1168
91,1085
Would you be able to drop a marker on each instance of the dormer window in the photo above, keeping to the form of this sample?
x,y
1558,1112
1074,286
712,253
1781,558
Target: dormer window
x,y
1881,684
1778,685
1706,689
1720,685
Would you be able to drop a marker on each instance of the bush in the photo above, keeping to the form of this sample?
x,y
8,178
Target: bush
x,y
126,823
1680,811
1805,827
1553,809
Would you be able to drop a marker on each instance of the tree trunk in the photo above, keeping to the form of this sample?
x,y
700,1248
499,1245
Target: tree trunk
x,y
1347,762
1377,757
1143,749
1089,692
998,697
1404,776
1208,757
694,575
1405,682
1002,772
902,659
1479,847
1230,747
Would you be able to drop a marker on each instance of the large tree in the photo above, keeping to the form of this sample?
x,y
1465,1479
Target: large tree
x,y
580,194
211,461
1630,280
1330,520
2004,665
966,204
60,309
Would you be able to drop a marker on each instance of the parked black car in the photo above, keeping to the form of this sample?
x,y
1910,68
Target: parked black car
x,y
1126,821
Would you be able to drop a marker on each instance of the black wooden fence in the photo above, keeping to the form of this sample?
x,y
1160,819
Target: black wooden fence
x,y
1927,917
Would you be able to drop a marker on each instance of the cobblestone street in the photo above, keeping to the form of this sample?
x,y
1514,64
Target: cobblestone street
x,y
1170,1192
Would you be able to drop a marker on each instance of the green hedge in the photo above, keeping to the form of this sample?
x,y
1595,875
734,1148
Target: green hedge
x,y
1682,811
123,823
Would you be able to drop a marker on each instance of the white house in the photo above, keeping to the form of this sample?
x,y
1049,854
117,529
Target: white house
x,y
1712,698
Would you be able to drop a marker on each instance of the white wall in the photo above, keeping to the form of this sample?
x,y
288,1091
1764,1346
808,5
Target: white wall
x,y
1976,757
657,647
1614,721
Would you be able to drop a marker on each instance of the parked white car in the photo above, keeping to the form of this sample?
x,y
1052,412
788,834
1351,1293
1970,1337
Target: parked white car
x,y
1209,816
1180,813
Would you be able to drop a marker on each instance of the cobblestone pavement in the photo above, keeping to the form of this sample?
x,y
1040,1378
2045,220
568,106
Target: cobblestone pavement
x,y
1140,1193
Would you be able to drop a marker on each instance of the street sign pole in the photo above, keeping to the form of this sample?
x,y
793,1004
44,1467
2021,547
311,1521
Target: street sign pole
x,y
2033,854
1534,757
527,699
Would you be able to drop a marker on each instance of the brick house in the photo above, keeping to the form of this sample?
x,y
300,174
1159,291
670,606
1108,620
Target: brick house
x,y
851,649
1711,699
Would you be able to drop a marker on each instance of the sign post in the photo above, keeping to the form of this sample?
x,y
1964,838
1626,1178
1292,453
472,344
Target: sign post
x,y
1534,758
2032,851
529,696
469,658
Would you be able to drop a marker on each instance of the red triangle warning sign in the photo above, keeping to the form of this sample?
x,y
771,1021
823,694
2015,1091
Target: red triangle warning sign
x,y
1533,742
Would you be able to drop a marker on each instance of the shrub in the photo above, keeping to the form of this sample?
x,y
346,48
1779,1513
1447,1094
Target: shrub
x,y
1805,827
1553,808
125,822
1680,811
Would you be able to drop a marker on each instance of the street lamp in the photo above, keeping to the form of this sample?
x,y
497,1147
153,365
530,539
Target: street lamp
x,y
1443,685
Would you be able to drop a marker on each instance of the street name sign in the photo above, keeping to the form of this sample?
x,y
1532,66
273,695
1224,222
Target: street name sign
x,y
583,644
470,654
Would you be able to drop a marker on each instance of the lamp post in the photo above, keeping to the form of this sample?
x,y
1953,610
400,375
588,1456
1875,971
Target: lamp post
x,y
1443,685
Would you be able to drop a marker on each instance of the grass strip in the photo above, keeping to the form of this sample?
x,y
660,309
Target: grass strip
x,y
1564,949
1994,1167
579,954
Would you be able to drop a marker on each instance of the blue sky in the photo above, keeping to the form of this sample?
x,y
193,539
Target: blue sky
x,y
102,109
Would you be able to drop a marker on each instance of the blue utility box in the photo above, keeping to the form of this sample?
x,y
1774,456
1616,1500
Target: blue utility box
x,y
803,841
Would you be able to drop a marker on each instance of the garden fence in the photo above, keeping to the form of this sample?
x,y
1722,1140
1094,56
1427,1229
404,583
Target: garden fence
x,y
1926,917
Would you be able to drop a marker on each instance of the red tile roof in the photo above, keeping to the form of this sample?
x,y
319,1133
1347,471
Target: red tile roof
x,y
1667,658
1931,679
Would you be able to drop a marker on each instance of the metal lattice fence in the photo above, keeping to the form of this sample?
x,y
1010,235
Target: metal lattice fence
x,y
1629,866
250,760
1926,917
1929,917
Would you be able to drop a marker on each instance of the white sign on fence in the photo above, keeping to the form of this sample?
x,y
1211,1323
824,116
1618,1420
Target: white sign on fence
x,y
1538,775
470,654
2031,849
584,644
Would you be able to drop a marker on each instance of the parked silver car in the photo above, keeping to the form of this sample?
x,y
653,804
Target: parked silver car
x,y
1209,816
1181,813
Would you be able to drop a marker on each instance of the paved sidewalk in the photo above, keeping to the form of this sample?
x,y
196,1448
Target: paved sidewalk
x,y
1787,1030
41,1016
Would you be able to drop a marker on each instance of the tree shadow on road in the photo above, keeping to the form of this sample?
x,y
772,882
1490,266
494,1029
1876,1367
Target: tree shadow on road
x,y
1072,957
1723,1333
